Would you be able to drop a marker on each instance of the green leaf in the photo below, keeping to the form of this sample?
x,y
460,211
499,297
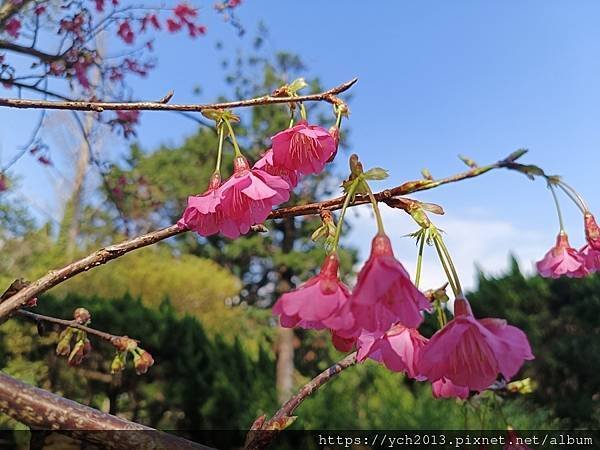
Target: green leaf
x,y
376,173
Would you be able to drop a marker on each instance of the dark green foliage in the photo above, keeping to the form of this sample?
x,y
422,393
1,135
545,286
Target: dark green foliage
x,y
561,318
197,382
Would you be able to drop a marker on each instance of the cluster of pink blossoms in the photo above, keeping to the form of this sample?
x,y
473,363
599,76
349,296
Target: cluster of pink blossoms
x,y
564,260
247,197
381,316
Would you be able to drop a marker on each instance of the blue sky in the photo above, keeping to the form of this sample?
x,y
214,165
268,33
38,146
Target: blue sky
x,y
435,79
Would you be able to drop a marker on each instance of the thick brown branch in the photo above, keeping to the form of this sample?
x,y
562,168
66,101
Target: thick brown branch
x,y
31,51
69,323
102,256
43,410
327,96
263,433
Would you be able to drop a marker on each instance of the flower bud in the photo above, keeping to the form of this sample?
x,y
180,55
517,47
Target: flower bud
x,y
80,351
82,316
63,348
118,362
124,344
142,361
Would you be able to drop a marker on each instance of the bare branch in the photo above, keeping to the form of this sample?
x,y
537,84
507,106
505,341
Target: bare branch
x,y
41,409
30,51
69,323
106,254
327,96
263,432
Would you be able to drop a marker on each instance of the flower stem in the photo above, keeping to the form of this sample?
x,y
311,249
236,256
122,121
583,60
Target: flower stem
x,y
574,195
558,211
451,263
347,200
421,242
302,111
444,263
220,150
375,205
338,120
236,147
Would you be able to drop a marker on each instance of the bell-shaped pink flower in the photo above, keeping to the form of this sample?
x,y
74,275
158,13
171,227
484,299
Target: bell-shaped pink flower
x,y
305,148
203,214
561,260
471,353
398,349
592,230
266,163
318,303
591,258
444,388
384,293
248,196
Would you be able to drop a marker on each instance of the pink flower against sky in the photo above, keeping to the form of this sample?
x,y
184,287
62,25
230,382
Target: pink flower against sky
x,y
248,197
561,260
203,214
318,303
384,293
471,353
266,163
305,148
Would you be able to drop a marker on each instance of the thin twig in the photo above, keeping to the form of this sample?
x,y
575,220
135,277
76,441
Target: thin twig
x,y
106,254
263,432
69,323
327,96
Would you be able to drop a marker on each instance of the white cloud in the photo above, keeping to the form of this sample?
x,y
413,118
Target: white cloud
x,y
475,238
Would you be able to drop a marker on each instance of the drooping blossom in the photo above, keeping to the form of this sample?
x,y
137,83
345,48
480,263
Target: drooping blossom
x,y
12,27
471,353
266,163
318,303
126,33
305,148
591,258
248,196
399,349
384,293
561,260
203,214
444,388
592,230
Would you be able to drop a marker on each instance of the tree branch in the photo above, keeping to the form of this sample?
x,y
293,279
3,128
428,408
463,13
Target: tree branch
x,y
106,254
31,51
263,432
69,323
328,96
41,409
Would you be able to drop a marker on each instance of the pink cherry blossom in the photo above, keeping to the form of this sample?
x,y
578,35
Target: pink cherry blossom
x,y
266,163
471,353
384,293
248,196
592,231
561,260
305,148
444,388
591,258
203,213
318,302
12,27
398,349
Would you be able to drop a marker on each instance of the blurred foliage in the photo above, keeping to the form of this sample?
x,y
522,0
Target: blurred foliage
x,y
560,318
